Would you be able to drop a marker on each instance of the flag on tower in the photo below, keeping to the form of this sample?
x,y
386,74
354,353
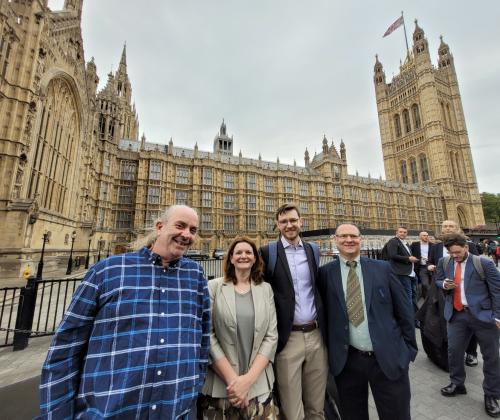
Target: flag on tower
x,y
394,26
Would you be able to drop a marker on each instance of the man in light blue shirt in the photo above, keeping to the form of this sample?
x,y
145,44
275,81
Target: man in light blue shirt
x,y
370,332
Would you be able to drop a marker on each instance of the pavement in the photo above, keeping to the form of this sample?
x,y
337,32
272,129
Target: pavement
x,y
20,370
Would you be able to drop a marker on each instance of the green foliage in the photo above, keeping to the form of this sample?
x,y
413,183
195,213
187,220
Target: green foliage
x,y
491,207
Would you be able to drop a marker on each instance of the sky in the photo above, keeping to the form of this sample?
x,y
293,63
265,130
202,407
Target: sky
x,y
283,73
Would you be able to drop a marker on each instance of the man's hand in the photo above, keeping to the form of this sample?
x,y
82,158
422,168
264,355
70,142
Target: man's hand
x,y
498,323
449,284
431,267
413,259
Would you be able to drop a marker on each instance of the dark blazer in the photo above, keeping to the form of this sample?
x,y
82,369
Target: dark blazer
x,y
398,257
416,251
390,317
437,252
483,296
284,293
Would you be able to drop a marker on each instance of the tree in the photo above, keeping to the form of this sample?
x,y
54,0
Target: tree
x,y
491,207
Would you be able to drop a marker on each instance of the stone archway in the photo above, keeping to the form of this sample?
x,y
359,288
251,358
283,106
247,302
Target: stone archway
x,y
463,220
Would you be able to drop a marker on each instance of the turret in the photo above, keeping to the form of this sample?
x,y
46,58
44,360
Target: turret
x,y
445,57
420,44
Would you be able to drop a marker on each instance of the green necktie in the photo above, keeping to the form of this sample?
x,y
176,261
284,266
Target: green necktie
x,y
354,300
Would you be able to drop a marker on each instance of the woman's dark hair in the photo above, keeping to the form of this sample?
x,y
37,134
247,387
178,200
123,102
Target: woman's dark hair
x,y
257,271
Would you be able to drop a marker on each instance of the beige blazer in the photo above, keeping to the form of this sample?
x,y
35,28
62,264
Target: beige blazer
x,y
223,339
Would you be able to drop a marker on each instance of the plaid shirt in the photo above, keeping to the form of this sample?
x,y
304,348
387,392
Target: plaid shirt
x,y
133,344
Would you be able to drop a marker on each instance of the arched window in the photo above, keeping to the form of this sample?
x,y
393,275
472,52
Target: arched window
x,y
416,116
404,172
56,148
460,167
413,170
443,115
454,167
424,167
406,121
450,121
397,125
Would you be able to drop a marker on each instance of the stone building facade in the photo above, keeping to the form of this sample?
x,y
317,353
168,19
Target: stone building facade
x,y
73,169
423,131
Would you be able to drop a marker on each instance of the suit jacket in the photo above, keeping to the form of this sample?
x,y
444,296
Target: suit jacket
x,y
483,296
223,339
399,257
390,317
284,293
416,250
437,252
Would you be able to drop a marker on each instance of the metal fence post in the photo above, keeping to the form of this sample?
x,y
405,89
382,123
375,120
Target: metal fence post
x,y
25,312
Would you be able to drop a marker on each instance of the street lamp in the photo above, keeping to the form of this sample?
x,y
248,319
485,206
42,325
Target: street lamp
x,y
39,270
109,251
87,260
70,259
100,244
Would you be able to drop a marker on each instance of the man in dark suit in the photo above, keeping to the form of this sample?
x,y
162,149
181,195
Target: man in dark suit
x,y
370,332
301,361
472,305
420,250
403,263
437,252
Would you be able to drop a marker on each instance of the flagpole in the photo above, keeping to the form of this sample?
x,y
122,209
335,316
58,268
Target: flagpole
x,y
406,38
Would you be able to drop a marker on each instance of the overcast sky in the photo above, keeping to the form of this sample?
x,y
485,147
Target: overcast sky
x,y
284,72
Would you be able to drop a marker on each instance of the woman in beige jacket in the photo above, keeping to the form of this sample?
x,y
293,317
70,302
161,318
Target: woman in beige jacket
x,y
243,342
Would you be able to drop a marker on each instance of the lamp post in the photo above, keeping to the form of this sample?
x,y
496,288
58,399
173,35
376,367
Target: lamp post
x,y
100,247
70,259
87,260
109,251
39,270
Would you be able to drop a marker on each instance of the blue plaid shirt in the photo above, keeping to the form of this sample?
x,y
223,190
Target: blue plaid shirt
x,y
133,344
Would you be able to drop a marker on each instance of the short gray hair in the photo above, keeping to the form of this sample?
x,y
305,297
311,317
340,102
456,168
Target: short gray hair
x,y
150,238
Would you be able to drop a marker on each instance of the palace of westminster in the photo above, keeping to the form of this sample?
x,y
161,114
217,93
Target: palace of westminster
x,y
73,170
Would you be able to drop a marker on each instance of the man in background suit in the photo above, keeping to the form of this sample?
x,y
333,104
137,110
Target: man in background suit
x,y
472,305
301,361
403,263
437,252
420,249
369,329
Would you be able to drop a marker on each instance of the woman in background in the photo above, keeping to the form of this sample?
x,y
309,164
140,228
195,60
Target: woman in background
x,y
243,342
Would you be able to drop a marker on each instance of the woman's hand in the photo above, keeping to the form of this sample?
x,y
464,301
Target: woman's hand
x,y
237,391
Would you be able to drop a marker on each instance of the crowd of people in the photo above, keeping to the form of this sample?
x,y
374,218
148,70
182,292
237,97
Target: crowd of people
x,y
276,337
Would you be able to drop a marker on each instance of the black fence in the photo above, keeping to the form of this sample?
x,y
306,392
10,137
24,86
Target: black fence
x,y
34,310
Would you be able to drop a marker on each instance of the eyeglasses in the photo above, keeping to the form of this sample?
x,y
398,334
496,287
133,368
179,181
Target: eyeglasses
x,y
348,236
285,222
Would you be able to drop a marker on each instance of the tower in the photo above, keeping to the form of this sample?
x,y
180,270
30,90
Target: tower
x,y
423,132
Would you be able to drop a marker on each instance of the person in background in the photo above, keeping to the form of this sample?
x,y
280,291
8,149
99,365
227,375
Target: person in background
x,y
439,251
472,306
243,341
420,249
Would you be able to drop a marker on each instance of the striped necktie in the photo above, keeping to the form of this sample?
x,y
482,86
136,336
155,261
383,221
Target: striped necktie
x,y
354,300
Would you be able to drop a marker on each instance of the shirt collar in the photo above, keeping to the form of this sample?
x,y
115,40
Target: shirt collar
x,y
343,261
155,258
287,244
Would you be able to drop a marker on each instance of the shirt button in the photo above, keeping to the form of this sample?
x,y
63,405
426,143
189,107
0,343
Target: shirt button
x,y
162,314
158,373
162,341
153,407
163,290
164,270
